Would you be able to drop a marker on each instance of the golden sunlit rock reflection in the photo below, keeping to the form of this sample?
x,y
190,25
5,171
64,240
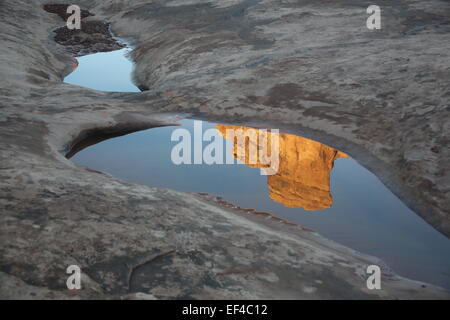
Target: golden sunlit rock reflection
x,y
303,177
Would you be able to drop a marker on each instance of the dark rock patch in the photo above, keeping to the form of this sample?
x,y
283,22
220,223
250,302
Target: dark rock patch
x,y
94,36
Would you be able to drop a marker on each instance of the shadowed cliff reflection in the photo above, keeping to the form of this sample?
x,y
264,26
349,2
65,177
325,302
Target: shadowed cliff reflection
x,y
303,177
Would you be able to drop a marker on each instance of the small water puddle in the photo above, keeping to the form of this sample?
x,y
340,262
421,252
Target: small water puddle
x,y
105,71
316,186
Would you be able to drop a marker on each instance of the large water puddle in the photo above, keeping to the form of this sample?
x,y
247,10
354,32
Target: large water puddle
x,y
315,185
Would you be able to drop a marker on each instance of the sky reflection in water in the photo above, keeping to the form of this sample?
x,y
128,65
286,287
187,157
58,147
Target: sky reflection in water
x,y
106,71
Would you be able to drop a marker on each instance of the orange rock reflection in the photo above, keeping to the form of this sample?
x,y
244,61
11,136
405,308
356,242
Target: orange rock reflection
x,y
303,177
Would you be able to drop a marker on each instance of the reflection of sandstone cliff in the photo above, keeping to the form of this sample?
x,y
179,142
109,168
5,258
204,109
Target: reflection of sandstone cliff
x,y
303,178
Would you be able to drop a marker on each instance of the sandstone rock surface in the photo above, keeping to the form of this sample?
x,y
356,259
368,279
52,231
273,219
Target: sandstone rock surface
x,y
306,67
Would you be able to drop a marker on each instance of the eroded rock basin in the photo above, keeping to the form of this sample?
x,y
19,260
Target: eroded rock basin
x,y
316,186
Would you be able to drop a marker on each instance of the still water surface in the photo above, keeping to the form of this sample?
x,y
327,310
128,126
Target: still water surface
x,y
106,71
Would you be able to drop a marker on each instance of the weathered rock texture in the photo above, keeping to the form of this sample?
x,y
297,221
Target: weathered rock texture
x,y
302,177
308,67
